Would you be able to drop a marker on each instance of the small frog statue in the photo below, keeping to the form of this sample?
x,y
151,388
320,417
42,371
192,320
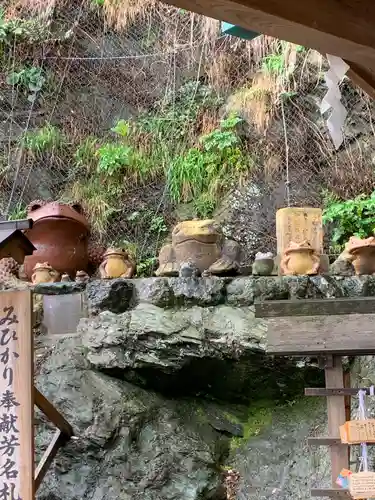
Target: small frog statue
x,y
300,259
65,278
117,264
362,252
263,264
82,277
44,273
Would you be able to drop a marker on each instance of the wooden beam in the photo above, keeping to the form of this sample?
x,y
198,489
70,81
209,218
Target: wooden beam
x,y
323,441
362,77
344,29
330,492
52,413
322,391
319,335
336,417
314,307
58,440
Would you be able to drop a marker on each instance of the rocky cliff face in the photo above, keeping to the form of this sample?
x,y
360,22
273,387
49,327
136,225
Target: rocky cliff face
x,y
167,385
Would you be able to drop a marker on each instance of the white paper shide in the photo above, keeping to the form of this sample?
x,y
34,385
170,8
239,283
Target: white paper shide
x,y
332,99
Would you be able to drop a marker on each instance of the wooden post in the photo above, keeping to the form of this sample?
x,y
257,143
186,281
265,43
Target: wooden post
x,y
16,396
348,402
336,417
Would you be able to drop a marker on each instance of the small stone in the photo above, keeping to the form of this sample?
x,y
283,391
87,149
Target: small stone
x,y
153,291
188,270
241,291
298,286
327,286
353,286
198,291
110,295
341,267
271,288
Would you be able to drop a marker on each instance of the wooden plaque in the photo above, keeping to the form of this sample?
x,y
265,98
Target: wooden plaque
x,y
16,396
358,431
362,485
314,335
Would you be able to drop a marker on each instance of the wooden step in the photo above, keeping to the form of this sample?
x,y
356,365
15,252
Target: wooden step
x,y
330,492
330,441
324,441
322,391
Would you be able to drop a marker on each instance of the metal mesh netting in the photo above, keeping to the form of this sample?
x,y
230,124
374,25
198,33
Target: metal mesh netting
x,y
81,75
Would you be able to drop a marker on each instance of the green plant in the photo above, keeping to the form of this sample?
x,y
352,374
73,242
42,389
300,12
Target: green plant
x,y
145,267
45,139
30,80
85,154
179,114
30,30
204,205
273,63
351,217
203,173
100,200
157,224
122,128
113,157
18,212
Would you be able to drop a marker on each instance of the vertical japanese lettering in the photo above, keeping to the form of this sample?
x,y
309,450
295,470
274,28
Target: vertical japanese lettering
x,y
9,431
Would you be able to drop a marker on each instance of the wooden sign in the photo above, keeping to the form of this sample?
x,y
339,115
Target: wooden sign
x,y
358,431
362,485
16,396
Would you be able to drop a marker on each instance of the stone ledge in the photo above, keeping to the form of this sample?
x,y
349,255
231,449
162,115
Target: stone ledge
x,y
120,295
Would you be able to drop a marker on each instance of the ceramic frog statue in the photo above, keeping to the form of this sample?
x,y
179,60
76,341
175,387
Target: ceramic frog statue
x,y
300,259
117,264
201,243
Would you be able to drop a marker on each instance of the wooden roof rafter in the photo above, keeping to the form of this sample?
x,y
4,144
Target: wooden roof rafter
x,y
343,28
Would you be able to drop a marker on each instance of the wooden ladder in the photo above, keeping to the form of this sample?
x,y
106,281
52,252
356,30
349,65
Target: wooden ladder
x,y
327,329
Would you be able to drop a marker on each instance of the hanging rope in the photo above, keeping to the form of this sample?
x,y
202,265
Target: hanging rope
x,y
287,181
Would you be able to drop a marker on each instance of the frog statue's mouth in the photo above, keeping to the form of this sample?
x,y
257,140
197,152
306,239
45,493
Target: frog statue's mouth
x,y
54,211
205,231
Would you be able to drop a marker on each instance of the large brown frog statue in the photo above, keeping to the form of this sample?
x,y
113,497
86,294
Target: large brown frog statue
x,y
117,264
300,259
201,243
362,252
61,235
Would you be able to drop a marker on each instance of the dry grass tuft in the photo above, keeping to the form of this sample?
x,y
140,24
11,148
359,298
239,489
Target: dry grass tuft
x,y
255,103
120,13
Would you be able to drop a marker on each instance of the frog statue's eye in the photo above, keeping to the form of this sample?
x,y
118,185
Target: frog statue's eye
x,y
34,207
77,207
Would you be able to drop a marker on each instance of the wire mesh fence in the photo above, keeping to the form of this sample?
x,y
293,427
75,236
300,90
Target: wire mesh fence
x,y
69,78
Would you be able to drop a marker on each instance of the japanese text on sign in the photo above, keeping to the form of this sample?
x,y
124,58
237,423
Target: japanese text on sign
x,y
9,431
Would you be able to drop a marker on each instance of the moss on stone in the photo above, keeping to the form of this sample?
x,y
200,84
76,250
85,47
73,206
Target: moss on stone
x,y
253,419
259,415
